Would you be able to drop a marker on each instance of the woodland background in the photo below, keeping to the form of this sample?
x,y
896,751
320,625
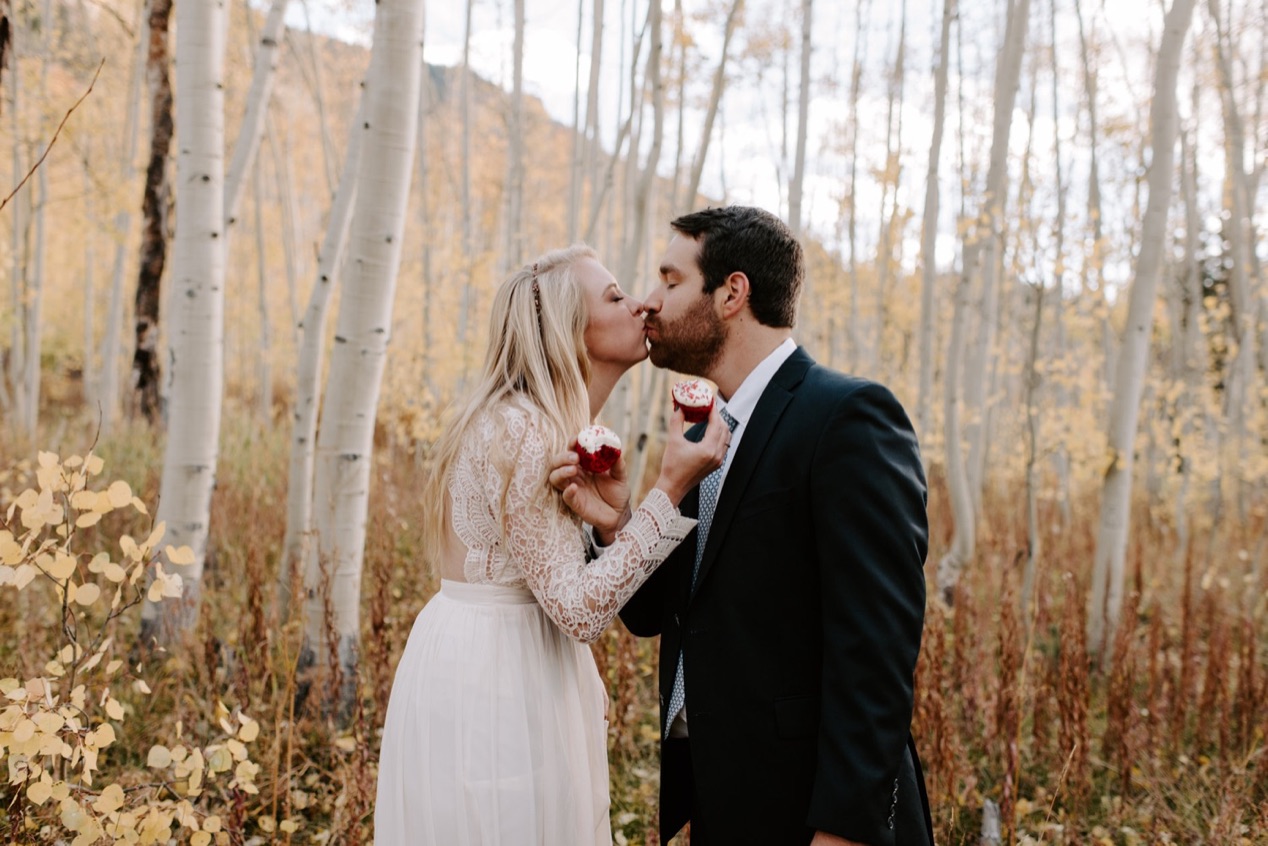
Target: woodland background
x,y
227,350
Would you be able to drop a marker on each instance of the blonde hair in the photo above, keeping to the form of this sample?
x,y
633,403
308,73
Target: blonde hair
x,y
536,354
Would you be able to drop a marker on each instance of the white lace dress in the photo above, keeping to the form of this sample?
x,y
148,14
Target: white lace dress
x,y
496,727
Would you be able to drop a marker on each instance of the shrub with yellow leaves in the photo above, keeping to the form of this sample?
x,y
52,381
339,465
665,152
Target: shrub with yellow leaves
x,y
55,726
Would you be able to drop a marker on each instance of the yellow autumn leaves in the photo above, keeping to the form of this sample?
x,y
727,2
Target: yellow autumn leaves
x,y
55,727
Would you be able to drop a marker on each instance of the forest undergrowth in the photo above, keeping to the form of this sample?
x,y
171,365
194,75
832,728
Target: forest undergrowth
x,y
1162,743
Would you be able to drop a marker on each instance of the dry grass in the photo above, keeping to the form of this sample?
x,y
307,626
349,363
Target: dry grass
x,y
1168,746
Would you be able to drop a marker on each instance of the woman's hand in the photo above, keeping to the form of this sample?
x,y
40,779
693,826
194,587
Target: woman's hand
x,y
600,499
686,464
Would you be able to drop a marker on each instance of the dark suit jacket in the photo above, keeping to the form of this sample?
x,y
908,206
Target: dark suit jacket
x,y
800,638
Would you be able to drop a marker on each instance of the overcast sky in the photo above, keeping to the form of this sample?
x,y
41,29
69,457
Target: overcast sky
x,y
746,163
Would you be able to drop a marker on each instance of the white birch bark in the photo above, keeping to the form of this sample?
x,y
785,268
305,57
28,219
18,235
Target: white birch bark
x,y
16,370
856,78
575,175
929,225
1060,453
715,98
34,317
1096,261
964,538
795,193
514,246
889,194
1238,393
312,334
991,233
1109,568
265,366
332,566
980,253
257,107
196,320
645,177
89,376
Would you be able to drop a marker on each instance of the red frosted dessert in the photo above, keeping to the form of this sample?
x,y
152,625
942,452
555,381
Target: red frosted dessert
x,y
598,448
695,398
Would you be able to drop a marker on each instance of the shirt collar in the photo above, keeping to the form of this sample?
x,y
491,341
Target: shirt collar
x,y
745,398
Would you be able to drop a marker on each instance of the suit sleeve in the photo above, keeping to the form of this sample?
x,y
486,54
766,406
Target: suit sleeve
x,y
644,613
871,536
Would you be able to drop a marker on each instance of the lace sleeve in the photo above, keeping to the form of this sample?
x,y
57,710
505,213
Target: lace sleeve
x,y
581,597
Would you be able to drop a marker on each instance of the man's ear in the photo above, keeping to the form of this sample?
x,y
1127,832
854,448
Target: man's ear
x,y
734,292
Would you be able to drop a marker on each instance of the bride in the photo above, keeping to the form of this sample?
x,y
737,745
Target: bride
x,y
495,730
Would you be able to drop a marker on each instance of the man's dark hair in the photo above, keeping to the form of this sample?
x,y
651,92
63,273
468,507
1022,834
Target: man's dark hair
x,y
759,245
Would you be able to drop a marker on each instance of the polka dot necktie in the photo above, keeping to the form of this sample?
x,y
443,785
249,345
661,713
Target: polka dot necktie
x,y
708,503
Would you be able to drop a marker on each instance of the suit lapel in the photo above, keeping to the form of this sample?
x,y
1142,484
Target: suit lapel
x,y
757,432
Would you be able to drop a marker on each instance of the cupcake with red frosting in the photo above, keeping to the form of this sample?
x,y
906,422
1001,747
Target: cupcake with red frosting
x,y
695,398
598,448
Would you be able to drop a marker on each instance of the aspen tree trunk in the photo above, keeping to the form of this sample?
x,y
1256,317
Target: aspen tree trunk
x,y
981,250
990,231
332,567
251,132
145,359
679,64
89,376
196,333
1033,532
803,118
426,97
315,88
112,341
1061,454
593,151
1185,304
929,225
1097,259
34,316
312,329
964,538
514,247
575,175
265,369
1028,232
295,258
856,78
605,192
1237,397
1109,568
642,191
715,98
16,371
466,304
889,185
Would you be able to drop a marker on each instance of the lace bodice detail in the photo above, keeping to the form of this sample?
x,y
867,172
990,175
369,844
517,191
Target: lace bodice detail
x,y
540,544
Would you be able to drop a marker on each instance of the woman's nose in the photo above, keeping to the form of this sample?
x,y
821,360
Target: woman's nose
x,y
635,305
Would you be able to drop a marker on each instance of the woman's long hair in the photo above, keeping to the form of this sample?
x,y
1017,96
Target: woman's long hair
x,y
536,355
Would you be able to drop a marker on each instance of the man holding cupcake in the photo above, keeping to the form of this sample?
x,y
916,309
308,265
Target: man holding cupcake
x,y
790,626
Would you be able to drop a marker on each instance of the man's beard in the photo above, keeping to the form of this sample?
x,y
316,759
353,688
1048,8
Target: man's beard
x,y
692,344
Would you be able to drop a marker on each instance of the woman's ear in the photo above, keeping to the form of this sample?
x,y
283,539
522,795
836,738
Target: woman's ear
x,y
735,293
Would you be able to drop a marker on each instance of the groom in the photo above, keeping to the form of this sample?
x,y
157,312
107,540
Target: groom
x,y
789,632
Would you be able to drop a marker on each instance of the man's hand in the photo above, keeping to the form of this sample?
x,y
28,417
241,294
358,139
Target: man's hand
x,y
822,838
602,499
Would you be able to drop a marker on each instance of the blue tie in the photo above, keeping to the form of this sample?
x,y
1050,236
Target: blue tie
x,y
708,503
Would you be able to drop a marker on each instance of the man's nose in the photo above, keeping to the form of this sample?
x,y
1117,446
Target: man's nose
x,y
651,305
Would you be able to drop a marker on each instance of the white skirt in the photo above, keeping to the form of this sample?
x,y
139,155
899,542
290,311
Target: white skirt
x,y
496,730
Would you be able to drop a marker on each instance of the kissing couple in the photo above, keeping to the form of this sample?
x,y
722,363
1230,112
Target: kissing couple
x,y
779,556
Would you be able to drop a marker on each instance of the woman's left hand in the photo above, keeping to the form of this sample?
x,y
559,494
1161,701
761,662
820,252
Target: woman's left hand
x,y
600,499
